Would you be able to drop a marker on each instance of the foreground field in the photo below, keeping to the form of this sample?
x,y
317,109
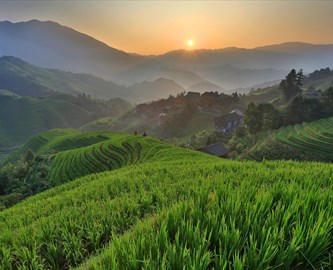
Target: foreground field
x,y
172,208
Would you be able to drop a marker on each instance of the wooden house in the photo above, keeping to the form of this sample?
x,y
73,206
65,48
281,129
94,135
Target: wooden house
x,y
228,122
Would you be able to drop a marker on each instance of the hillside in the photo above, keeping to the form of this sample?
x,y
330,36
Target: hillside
x,y
51,45
61,155
23,117
174,117
310,141
319,79
56,140
170,208
26,79
314,137
263,95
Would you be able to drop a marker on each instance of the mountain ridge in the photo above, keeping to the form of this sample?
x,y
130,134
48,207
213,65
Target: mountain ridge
x,y
52,45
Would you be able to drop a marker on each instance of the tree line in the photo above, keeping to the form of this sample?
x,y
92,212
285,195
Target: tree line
x,y
24,178
295,108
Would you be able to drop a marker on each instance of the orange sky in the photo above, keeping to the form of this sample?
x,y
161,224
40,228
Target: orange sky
x,y
155,27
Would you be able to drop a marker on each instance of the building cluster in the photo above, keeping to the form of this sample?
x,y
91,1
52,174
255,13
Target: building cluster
x,y
213,101
208,101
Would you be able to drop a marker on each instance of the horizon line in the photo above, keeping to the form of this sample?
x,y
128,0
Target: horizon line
x,y
170,51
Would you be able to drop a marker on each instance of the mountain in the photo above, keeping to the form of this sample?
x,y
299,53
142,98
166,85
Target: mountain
x,y
202,87
153,90
296,48
25,79
152,70
232,68
49,44
282,56
52,45
232,78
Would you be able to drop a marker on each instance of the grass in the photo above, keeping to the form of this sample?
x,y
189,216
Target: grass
x,y
165,207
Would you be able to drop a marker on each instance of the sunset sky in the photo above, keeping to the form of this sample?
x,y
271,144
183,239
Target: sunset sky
x,y
155,27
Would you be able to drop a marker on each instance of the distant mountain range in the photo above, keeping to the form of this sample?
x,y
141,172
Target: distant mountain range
x,y
51,45
24,79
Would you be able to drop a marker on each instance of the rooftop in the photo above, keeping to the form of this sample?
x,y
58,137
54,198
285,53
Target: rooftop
x,y
216,149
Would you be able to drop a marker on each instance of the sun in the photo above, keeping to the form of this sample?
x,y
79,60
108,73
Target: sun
x,y
190,43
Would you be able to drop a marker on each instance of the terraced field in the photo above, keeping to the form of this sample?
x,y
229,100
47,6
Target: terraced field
x,y
154,206
315,137
57,140
108,155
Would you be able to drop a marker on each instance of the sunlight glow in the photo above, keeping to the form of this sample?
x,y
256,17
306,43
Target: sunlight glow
x,y
190,43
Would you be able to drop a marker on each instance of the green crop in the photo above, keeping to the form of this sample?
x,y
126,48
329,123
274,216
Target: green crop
x,y
154,206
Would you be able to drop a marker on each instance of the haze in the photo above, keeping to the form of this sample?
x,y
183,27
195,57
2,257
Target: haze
x,y
155,27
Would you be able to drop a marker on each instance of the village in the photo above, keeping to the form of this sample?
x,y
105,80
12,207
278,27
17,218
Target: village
x,y
213,102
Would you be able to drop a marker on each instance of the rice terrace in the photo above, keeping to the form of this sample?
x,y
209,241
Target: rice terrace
x,y
313,137
166,135
165,207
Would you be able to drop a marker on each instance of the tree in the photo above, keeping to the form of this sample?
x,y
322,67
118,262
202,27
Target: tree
x,y
235,97
253,118
291,85
299,78
262,117
241,131
326,100
270,116
303,109
319,74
